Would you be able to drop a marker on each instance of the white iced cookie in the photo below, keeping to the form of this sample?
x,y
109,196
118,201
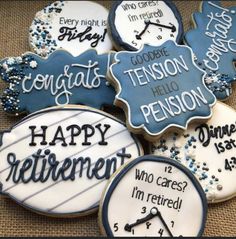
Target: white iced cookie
x,y
75,26
153,196
57,161
134,23
208,150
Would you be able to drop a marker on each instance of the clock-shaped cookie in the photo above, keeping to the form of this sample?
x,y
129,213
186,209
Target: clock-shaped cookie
x,y
153,196
134,23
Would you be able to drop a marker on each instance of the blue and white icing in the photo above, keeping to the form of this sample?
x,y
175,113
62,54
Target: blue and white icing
x,y
214,44
161,87
36,83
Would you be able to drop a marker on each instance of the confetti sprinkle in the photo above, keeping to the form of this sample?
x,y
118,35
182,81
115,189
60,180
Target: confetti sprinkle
x,y
11,70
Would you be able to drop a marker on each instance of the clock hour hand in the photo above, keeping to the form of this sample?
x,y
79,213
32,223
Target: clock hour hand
x,y
147,23
153,212
171,27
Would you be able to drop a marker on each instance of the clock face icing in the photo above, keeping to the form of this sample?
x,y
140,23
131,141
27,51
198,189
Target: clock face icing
x,y
208,150
134,23
75,26
161,198
57,161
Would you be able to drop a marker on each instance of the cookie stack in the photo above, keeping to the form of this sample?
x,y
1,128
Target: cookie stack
x,y
151,174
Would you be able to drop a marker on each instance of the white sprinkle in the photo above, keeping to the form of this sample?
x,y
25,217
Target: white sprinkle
x,y
33,64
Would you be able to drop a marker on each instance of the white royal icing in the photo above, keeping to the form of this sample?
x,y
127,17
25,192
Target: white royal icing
x,y
154,186
131,15
74,191
75,26
208,150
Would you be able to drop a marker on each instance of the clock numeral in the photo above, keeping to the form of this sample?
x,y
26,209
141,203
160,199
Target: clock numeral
x,y
172,223
133,231
161,232
135,31
160,29
227,165
159,37
172,35
157,20
148,224
116,228
134,43
168,169
144,209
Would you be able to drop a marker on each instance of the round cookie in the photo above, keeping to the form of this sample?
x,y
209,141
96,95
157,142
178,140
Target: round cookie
x,y
57,161
208,151
134,23
75,26
153,196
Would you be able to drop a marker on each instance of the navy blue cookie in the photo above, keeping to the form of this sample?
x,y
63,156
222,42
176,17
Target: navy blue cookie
x,y
36,83
159,88
215,48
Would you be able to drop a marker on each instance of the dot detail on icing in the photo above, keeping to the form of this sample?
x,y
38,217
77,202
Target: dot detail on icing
x,y
175,151
33,64
218,84
154,211
11,71
40,38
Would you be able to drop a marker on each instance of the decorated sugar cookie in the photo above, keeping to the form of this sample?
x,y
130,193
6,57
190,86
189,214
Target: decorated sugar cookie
x,y
215,48
134,23
161,199
159,88
208,151
57,161
36,83
75,26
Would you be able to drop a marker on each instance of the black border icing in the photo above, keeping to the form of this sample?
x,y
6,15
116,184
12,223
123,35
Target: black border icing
x,y
118,40
125,169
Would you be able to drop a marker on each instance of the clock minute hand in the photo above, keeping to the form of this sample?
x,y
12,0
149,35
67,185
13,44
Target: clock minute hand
x,y
172,27
164,223
151,215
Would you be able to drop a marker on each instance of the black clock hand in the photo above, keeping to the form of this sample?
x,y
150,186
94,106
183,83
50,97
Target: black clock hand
x,y
138,37
172,27
164,223
148,22
152,214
